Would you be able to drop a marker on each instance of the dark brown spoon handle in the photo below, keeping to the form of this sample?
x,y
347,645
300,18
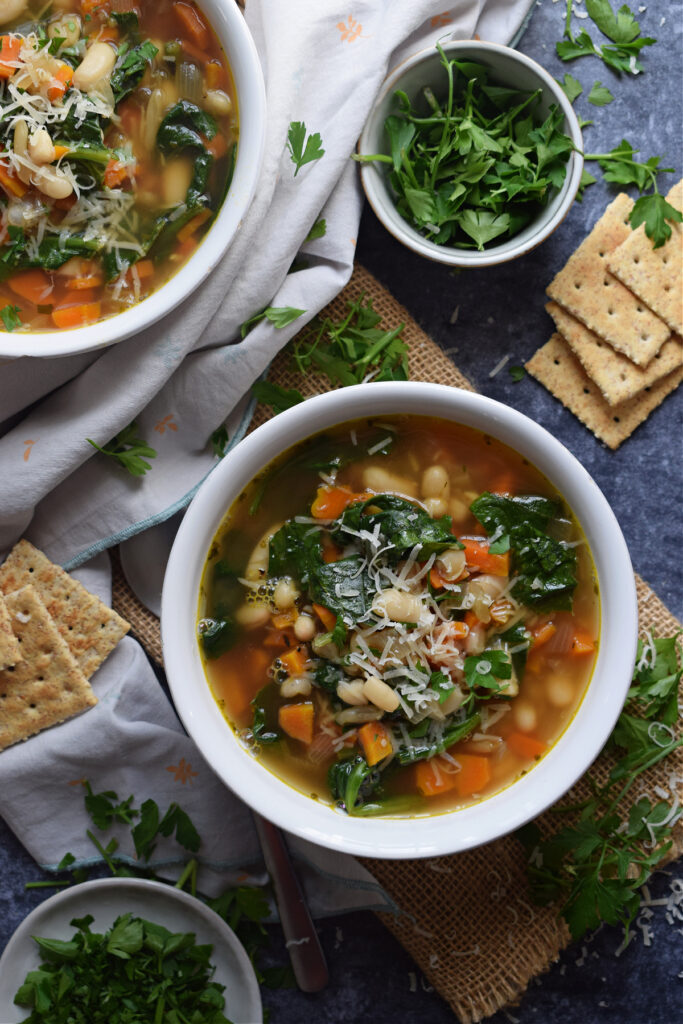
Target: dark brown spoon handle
x,y
303,944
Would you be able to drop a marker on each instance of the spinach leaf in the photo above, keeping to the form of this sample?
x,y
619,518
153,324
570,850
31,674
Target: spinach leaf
x,y
130,67
217,636
185,126
264,723
402,524
425,748
352,782
545,568
295,550
128,22
328,676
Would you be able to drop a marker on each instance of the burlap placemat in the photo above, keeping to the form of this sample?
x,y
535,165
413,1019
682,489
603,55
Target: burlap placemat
x,y
468,921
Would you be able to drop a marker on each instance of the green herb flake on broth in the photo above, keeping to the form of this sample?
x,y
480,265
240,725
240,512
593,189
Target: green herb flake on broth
x,y
412,616
118,134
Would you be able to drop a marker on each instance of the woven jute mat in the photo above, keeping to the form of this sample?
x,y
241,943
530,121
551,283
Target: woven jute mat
x,y
467,919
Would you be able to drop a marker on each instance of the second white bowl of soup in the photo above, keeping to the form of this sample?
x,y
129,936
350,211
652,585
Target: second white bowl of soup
x,y
132,143
400,620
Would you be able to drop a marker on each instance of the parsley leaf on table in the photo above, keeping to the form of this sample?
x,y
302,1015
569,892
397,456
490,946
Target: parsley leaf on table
x,y
517,373
10,317
279,316
303,150
654,212
128,449
277,397
621,28
600,95
571,86
317,231
595,866
219,441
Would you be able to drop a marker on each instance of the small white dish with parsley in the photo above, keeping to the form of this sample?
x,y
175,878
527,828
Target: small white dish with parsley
x,y
136,915
471,155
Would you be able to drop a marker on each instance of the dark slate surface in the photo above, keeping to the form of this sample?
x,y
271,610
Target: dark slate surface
x,y
501,312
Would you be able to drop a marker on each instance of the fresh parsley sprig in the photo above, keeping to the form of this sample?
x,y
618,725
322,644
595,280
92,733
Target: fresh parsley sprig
x,y
303,150
622,29
10,317
129,450
279,316
595,866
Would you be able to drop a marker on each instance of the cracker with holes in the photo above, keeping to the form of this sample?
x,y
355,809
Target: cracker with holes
x,y
10,651
587,289
558,369
90,629
655,275
46,687
617,377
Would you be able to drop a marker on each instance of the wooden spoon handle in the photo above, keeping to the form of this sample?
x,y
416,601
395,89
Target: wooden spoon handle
x,y
303,944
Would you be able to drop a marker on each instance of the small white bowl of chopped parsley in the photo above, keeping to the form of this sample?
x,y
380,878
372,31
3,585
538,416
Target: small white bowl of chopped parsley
x,y
139,948
472,154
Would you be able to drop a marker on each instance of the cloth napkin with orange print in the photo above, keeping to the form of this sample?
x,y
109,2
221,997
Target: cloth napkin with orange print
x,y
181,379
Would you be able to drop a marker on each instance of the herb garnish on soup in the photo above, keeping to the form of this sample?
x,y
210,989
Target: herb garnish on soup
x,y
118,135
399,617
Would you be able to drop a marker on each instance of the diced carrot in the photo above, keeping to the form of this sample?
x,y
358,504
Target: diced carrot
x,y
109,34
458,630
60,81
474,774
10,48
505,484
61,151
259,661
582,643
33,285
296,660
431,779
79,283
232,686
76,316
330,502
214,74
375,739
90,6
11,184
284,619
478,557
145,268
192,225
331,553
278,638
436,579
328,618
185,248
471,619
525,746
116,172
217,146
297,720
542,632
191,21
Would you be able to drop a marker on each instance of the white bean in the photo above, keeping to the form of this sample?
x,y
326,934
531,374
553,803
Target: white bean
x,y
560,692
435,483
524,715
475,641
175,180
381,480
218,103
304,627
52,182
97,64
380,694
459,510
20,137
437,507
11,9
451,564
351,693
295,686
285,595
398,606
40,147
355,716
252,615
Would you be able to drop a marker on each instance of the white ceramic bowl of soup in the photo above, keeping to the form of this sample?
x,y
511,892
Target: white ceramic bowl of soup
x,y
429,835
227,22
508,68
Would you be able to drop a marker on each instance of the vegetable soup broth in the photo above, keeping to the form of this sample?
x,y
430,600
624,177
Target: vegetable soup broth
x,y
512,732
118,138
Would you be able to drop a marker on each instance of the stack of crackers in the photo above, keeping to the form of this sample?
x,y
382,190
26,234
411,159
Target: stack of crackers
x,y
54,635
618,309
